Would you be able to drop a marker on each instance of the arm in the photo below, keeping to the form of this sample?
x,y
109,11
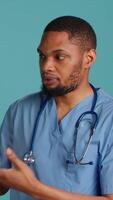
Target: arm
x,y
25,181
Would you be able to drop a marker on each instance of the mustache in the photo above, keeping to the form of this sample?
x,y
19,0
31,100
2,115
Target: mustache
x,y
49,76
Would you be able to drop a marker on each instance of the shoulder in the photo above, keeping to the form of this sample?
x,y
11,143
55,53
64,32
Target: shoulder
x,y
26,104
104,110
104,107
28,100
104,99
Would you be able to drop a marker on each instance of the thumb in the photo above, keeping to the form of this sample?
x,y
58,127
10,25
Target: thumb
x,y
17,163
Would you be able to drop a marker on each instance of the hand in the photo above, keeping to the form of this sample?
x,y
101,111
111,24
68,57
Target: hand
x,y
19,177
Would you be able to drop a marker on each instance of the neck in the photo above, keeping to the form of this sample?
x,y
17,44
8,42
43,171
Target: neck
x,y
73,98
66,102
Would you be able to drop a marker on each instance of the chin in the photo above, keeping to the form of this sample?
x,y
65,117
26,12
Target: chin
x,y
57,91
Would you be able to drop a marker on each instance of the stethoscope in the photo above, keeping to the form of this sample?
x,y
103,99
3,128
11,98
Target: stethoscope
x,y
29,158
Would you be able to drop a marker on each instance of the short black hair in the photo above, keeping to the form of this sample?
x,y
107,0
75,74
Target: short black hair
x,y
77,28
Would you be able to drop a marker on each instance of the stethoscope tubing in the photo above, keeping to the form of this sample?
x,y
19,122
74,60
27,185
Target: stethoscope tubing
x,y
28,157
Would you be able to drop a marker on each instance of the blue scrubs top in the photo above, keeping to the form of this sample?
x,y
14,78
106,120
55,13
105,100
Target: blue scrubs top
x,y
53,144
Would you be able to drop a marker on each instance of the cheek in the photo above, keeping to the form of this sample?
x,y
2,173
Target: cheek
x,y
75,73
70,72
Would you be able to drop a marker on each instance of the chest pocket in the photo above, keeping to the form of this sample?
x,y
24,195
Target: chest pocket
x,y
91,156
82,176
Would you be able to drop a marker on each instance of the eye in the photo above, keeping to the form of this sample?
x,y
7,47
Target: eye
x,y
60,57
42,56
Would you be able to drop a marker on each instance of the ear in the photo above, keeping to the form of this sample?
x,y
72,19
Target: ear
x,y
89,59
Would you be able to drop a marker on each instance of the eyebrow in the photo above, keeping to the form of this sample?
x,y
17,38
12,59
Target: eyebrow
x,y
54,51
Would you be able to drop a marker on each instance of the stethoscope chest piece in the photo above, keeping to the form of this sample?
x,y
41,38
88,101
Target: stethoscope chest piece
x,y
28,158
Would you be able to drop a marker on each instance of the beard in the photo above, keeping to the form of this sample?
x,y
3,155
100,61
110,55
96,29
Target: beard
x,y
73,80
58,91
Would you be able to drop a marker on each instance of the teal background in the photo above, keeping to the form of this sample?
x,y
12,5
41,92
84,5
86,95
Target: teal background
x,y
21,26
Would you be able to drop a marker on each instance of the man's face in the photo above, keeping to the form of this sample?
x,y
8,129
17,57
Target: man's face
x,y
61,63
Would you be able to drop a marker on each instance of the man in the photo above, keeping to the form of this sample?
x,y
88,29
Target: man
x,y
65,132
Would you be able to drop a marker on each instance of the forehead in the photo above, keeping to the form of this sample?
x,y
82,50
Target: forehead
x,y
53,40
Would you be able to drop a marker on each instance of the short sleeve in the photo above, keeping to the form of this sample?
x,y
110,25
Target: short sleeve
x,y
22,111
6,135
106,169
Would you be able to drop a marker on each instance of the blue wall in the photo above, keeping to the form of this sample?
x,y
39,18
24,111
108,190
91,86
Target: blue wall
x,y
21,25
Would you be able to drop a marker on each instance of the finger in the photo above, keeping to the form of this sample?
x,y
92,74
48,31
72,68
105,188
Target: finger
x,y
3,174
17,163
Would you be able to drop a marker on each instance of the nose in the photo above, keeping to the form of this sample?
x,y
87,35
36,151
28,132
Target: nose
x,y
47,65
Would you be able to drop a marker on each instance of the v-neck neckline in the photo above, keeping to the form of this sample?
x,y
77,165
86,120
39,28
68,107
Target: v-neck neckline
x,y
80,105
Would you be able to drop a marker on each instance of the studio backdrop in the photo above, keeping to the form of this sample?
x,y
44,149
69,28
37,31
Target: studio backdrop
x,y
21,25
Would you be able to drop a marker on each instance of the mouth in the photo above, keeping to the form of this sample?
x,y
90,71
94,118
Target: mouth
x,y
50,80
